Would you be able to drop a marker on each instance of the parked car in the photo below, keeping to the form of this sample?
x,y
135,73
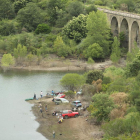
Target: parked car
x,y
60,100
60,96
76,103
68,113
79,92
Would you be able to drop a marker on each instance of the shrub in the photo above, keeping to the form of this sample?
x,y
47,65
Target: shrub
x,y
119,98
121,126
106,80
103,104
8,27
132,68
90,61
71,81
30,16
94,75
131,109
94,51
7,60
43,28
114,72
137,102
88,89
70,94
76,28
91,8
118,85
105,87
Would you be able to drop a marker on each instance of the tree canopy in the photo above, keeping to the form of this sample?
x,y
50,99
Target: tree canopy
x,y
30,16
71,81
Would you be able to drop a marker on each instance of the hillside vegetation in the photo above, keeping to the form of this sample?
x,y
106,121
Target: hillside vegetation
x,y
30,30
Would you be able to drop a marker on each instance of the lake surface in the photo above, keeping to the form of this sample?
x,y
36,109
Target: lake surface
x,y
17,122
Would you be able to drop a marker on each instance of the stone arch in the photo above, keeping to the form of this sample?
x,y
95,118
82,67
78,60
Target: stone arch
x,y
135,35
114,26
124,29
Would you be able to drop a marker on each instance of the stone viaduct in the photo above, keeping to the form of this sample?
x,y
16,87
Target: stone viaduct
x,y
127,23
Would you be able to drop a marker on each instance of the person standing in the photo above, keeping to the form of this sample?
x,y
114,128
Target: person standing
x,y
34,96
41,94
46,107
53,134
53,92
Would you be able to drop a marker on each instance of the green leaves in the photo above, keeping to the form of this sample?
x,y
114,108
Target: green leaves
x,y
30,16
103,105
94,51
98,32
76,28
116,51
71,81
43,28
7,60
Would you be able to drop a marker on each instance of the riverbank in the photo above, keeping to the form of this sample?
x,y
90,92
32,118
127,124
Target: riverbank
x,y
70,129
67,65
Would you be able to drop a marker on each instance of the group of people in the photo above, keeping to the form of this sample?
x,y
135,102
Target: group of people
x,y
41,95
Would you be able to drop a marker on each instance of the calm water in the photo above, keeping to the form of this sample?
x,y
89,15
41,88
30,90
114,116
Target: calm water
x,y
16,119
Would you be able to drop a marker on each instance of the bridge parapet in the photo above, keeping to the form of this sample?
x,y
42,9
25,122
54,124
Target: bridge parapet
x,y
125,14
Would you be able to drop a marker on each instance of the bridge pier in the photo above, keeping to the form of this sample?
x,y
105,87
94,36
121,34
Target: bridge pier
x,y
128,23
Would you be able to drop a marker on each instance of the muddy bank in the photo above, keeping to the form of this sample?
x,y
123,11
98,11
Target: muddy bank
x,y
70,129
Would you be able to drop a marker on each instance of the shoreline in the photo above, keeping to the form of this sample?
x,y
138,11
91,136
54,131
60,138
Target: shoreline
x,y
72,67
70,129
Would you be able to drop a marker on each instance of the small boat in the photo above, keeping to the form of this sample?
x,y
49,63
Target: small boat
x,y
29,99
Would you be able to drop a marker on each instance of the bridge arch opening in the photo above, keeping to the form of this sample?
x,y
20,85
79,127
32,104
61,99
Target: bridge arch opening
x,y
135,35
124,35
114,26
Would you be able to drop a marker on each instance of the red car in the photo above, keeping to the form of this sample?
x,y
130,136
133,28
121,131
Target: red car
x,y
68,113
61,92
60,96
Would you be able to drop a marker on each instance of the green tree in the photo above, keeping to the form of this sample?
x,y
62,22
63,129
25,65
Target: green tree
x,y
30,58
20,52
6,10
7,60
61,48
91,8
8,27
98,31
71,81
116,51
39,56
132,55
94,51
43,28
76,28
94,75
129,3
133,68
52,7
75,8
19,4
102,105
30,16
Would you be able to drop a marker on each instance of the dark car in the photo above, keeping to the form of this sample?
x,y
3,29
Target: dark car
x,y
76,103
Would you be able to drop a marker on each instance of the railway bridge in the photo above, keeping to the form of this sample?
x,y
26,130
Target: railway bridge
x,y
127,23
